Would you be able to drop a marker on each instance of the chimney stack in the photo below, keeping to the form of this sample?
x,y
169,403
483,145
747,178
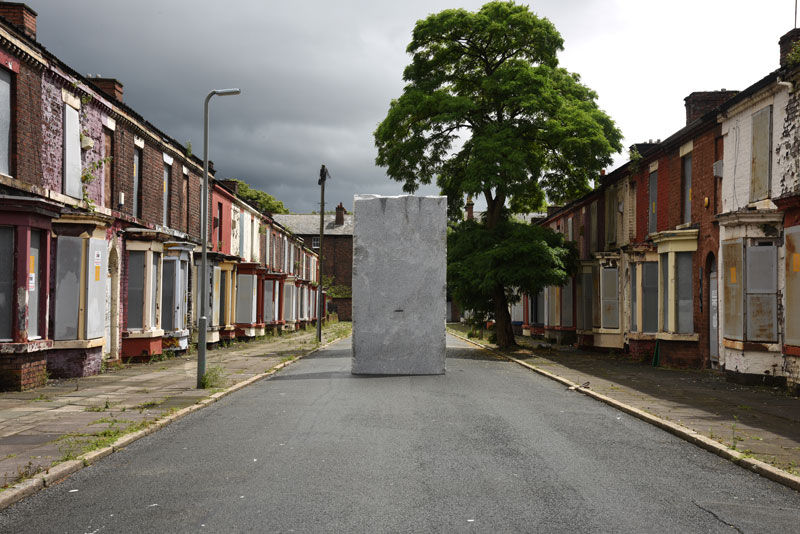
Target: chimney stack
x,y
786,43
340,211
110,86
20,16
701,102
470,207
233,185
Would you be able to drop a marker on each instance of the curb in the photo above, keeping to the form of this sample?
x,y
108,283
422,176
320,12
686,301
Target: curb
x,y
757,466
61,471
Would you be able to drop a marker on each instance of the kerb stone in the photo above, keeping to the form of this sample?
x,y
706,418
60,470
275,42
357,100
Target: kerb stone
x,y
399,278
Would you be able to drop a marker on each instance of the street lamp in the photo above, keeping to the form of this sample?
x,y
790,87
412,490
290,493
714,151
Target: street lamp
x,y
323,175
202,321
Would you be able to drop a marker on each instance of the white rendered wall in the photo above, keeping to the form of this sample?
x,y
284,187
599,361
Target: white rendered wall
x,y
399,277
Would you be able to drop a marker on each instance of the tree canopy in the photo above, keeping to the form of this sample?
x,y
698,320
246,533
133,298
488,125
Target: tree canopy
x,y
487,111
265,202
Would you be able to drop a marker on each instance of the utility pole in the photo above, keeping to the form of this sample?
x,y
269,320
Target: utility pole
x,y
323,175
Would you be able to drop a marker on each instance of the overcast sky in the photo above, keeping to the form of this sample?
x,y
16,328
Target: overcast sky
x,y
317,76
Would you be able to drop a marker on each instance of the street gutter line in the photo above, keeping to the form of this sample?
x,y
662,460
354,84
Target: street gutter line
x,y
61,471
757,466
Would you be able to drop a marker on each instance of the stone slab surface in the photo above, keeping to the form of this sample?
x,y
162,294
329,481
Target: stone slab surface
x,y
399,278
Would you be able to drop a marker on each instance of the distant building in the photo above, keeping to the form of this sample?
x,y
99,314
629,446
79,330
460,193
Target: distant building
x,y
337,252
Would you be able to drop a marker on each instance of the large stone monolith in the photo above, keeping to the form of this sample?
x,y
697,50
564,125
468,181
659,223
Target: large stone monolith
x,y
399,278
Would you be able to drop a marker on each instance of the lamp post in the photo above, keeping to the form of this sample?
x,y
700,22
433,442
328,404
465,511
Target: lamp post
x,y
323,175
202,321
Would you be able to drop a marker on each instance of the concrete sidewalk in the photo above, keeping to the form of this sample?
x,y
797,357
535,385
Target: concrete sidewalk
x,y
67,418
759,422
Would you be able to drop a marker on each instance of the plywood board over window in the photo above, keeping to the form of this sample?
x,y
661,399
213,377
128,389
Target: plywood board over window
x,y
792,289
732,292
72,153
5,122
610,296
761,156
761,297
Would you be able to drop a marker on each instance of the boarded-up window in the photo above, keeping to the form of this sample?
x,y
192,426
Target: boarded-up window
x,y
223,297
155,277
72,153
610,296
135,289
686,188
650,296
137,182
566,304
5,124
596,308
732,293
593,227
6,281
34,284
653,211
269,305
761,160
108,152
245,298
68,285
665,293
185,203
633,284
611,215
683,292
552,299
165,195
761,297
792,285
168,289
96,277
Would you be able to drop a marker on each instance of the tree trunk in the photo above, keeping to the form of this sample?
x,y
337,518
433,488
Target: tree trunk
x,y
502,319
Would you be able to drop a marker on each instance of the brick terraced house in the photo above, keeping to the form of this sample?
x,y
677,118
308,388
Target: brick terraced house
x,y
690,251
100,228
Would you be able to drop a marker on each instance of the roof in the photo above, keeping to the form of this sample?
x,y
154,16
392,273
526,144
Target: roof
x,y
308,224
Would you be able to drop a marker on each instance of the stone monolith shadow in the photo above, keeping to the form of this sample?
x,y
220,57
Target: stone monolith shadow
x,y
399,278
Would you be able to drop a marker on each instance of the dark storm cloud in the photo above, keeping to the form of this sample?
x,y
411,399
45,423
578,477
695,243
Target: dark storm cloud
x,y
318,76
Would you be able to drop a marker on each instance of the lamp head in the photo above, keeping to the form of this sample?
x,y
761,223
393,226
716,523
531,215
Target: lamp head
x,y
226,92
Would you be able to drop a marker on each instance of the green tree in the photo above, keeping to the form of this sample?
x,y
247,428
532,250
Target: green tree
x,y
486,110
265,202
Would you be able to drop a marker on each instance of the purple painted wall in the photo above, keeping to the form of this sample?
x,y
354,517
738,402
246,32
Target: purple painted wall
x,y
91,120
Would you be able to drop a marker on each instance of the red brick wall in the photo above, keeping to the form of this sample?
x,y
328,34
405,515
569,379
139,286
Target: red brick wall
x,y
216,198
26,164
19,372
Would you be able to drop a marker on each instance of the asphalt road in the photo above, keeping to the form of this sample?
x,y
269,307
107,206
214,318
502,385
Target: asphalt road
x,y
488,447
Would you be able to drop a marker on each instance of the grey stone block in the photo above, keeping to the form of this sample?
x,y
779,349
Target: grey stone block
x,y
399,278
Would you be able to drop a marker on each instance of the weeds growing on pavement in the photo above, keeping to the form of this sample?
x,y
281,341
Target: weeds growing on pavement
x,y
214,377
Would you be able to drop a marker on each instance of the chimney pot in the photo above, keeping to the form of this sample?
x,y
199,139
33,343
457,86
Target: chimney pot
x,y
21,16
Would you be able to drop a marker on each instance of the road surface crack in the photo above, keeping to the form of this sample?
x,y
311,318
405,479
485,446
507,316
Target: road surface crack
x,y
718,518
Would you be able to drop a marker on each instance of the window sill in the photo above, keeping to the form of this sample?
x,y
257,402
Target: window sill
x,y
671,336
750,346
156,332
642,335
176,333
79,343
607,330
